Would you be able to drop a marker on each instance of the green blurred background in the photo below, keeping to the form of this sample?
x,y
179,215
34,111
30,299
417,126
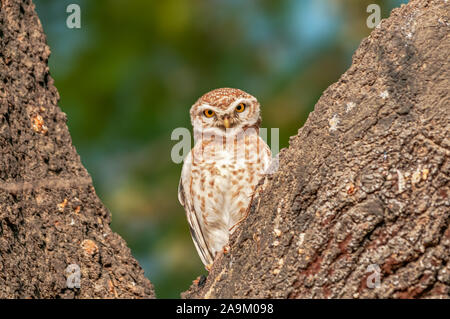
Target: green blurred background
x,y
128,77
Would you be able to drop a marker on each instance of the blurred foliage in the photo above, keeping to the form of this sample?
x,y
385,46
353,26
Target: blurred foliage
x,y
128,77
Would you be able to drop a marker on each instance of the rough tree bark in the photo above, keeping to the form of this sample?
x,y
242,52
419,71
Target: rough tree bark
x,y
50,216
364,185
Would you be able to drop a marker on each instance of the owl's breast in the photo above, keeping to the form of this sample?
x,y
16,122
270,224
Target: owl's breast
x,y
221,188
229,182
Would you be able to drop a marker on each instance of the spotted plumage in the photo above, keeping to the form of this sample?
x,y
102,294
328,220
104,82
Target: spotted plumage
x,y
221,171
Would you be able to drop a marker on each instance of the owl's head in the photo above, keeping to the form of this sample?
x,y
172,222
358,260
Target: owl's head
x,y
227,111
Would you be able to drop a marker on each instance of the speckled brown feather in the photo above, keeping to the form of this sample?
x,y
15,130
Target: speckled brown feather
x,y
217,182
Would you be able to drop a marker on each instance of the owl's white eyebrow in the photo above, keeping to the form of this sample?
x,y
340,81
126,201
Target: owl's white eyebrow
x,y
237,102
203,107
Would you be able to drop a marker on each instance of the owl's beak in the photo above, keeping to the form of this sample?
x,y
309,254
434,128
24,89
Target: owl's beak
x,y
226,122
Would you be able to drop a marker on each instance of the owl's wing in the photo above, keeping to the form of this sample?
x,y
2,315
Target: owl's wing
x,y
181,197
192,217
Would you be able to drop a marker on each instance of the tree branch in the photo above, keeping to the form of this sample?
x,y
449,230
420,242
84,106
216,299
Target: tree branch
x,y
364,185
50,216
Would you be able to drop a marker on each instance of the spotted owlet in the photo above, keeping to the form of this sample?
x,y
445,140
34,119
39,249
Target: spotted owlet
x,y
221,171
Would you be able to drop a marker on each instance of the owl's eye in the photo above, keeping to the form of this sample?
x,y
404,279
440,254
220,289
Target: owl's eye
x,y
240,108
208,113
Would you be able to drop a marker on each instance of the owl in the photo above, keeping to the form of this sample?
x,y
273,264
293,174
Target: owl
x,y
221,171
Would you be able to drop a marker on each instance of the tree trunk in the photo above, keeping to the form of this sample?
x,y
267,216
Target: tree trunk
x,y
53,227
359,207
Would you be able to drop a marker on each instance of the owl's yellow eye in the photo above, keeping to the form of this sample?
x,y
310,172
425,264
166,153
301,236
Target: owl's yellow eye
x,y
208,113
240,108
